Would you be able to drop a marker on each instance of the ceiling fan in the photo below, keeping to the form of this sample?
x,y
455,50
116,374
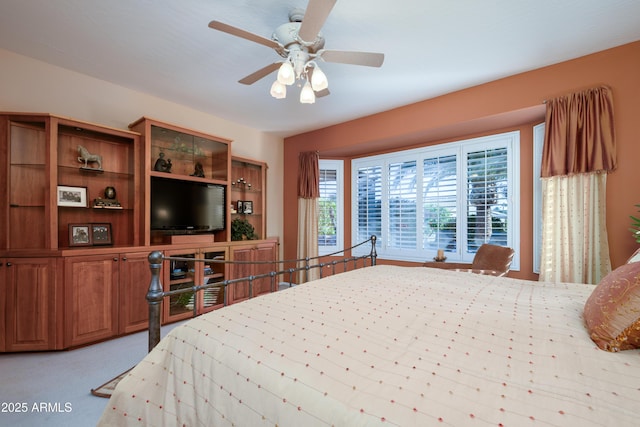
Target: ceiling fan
x,y
301,44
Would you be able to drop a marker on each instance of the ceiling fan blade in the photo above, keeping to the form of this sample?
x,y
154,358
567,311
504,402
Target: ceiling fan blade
x,y
369,59
263,72
314,18
226,28
321,93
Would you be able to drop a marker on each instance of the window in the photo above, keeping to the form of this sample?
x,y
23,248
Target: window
x,y
439,189
369,203
538,143
331,212
402,210
453,196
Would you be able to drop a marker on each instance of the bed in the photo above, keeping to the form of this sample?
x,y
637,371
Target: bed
x,y
387,345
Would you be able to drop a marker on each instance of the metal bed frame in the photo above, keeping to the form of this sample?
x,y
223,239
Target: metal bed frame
x,y
156,293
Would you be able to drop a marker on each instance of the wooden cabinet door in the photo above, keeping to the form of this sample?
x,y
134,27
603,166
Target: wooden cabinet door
x,y
31,300
240,291
134,279
91,298
264,253
257,252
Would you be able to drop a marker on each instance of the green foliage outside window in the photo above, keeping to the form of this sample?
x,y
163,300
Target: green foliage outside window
x,y
439,218
327,220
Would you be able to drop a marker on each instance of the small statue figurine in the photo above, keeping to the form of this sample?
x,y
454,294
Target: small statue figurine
x,y
162,165
84,156
199,171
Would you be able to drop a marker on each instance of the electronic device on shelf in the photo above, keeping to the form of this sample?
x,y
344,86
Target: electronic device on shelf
x,y
183,207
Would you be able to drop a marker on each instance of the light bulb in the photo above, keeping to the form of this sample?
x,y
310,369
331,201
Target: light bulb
x,y
278,90
318,79
306,94
286,76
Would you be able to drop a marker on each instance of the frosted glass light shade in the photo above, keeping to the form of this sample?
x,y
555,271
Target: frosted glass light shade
x,y
306,94
319,80
278,90
286,76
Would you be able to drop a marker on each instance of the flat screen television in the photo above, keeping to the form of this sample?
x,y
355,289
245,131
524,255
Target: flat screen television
x,y
186,206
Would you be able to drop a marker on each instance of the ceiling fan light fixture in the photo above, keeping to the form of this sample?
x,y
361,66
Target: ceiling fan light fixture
x,y
278,90
306,94
318,79
299,42
286,75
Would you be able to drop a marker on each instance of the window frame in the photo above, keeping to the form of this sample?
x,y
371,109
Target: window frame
x,y
509,140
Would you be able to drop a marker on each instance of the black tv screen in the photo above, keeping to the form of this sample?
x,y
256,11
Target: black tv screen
x,y
186,206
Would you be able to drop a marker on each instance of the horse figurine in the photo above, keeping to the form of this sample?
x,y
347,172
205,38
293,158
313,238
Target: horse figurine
x,y
86,157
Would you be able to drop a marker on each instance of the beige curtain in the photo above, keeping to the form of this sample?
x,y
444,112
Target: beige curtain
x,y
574,238
308,195
579,150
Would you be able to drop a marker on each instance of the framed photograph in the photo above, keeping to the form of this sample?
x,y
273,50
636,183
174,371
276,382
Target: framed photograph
x,y
101,234
247,207
240,206
80,235
75,197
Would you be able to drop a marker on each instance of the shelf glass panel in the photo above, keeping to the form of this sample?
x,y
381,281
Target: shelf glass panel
x,y
181,275
185,154
213,273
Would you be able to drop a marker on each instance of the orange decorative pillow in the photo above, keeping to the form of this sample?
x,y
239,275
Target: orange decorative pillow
x,y
612,311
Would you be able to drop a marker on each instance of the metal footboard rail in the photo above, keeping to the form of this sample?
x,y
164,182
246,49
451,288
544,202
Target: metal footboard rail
x,y
156,293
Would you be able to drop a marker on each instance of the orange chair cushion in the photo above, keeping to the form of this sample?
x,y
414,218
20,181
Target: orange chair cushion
x,y
493,257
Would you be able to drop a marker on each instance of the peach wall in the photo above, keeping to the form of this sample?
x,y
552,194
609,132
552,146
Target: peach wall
x,y
515,102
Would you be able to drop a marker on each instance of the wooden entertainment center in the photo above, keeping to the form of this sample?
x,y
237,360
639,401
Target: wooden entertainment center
x,y
76,226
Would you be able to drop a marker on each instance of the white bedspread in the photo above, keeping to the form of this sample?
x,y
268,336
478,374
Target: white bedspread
x,y
387,346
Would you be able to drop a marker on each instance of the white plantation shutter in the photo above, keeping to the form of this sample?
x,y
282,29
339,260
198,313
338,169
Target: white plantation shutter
x,y
487,200
401,196
440,204
369,203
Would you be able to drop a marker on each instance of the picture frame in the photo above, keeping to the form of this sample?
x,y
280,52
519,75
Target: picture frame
x,y
240,206
75,197
80,235
247,207
101,234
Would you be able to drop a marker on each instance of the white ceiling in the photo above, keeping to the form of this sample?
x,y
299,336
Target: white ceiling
x,y
432,47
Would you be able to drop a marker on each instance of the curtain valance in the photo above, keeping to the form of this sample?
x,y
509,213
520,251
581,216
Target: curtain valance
x,y
309,175
579,134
